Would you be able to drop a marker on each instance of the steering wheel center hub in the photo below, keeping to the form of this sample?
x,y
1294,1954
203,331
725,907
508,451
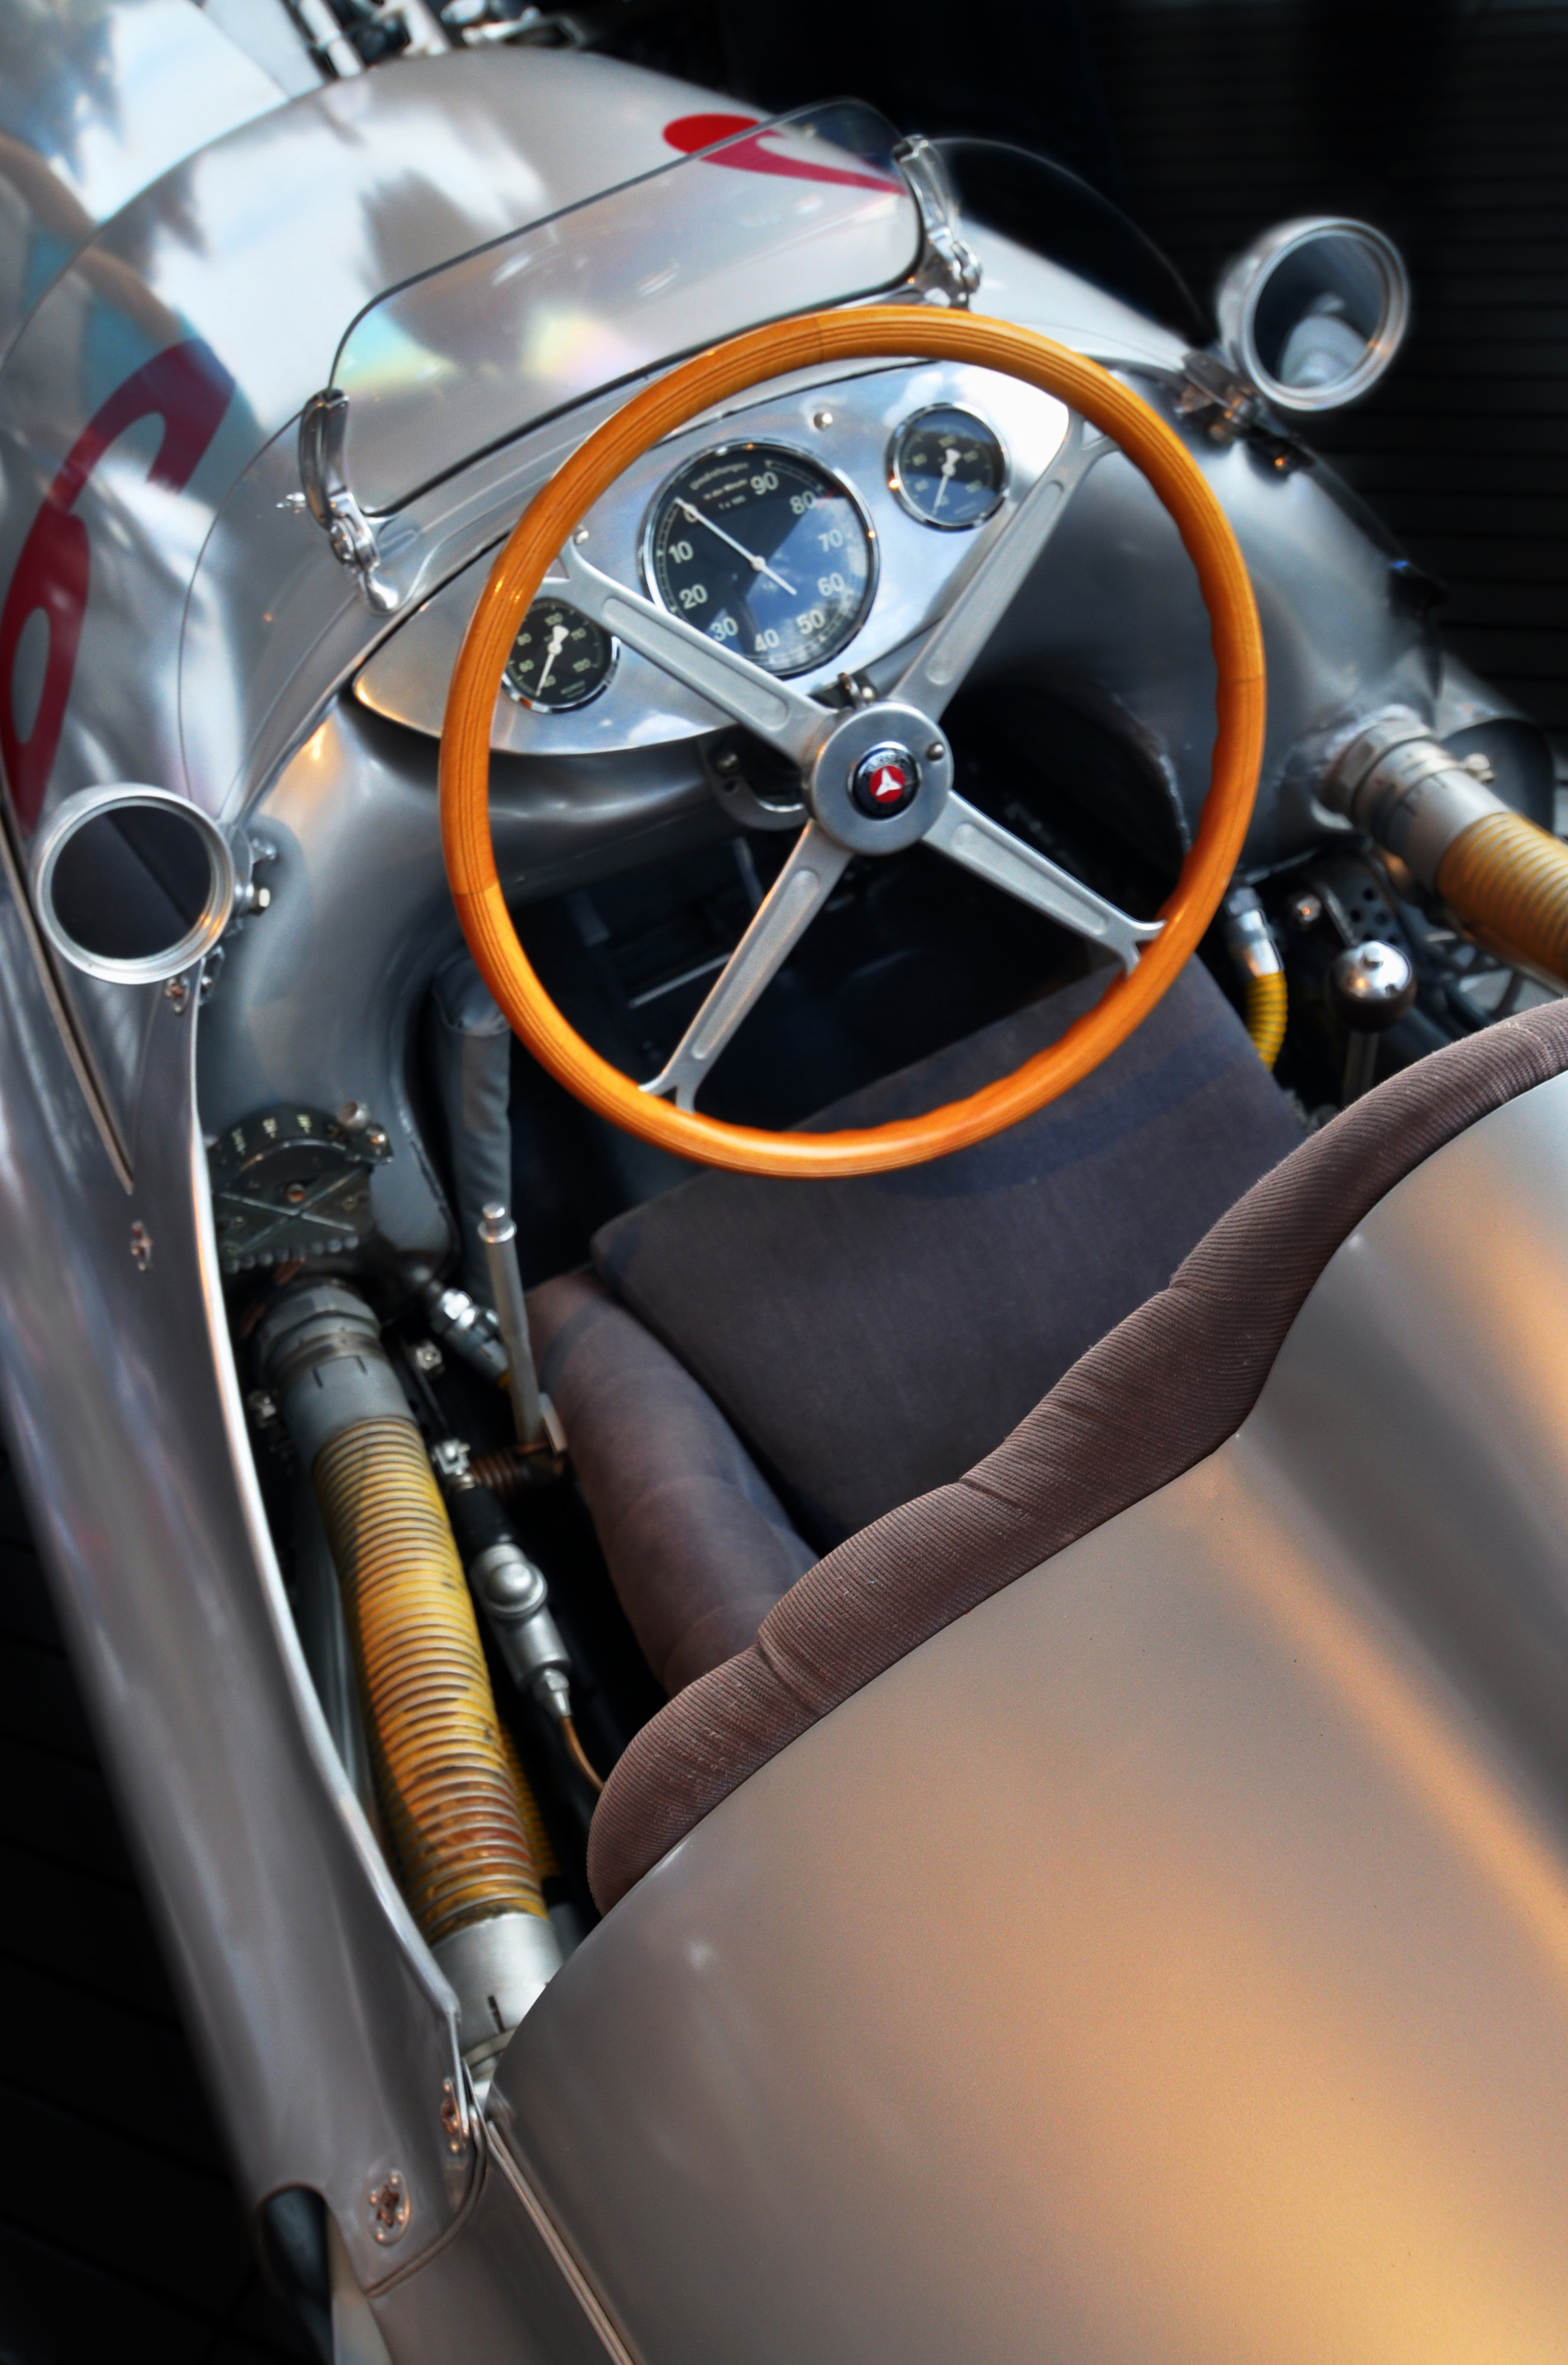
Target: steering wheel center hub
x,y
883,782
880,778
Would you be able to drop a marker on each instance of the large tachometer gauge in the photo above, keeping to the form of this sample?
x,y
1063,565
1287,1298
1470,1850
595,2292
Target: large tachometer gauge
x,y
765,551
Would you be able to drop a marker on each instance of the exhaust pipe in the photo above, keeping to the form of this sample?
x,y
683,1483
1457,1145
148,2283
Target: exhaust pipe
x,y
454,1799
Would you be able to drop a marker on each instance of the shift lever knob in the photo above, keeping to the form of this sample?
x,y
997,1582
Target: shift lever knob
x,y
1370,987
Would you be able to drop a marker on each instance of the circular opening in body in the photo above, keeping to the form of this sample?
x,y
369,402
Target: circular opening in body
x,y
133,884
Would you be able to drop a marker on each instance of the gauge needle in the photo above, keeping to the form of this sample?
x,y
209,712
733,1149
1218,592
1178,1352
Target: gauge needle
x,y
950,462
688,510
559,634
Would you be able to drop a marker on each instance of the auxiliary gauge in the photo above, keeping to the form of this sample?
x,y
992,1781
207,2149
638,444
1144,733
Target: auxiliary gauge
x,y
765,551
947,468
559,659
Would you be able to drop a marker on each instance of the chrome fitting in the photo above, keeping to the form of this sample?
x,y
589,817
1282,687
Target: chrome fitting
x,y
498,1969
1249,939
1407,790
469,1329
319,1354
516,1600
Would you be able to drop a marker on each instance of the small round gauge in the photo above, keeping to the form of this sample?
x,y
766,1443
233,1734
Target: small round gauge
x,y
765,551
559,659
947,468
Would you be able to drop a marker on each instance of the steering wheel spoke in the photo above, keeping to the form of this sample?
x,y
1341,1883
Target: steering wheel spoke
x,y
971,837
813,870
777,713
1001,567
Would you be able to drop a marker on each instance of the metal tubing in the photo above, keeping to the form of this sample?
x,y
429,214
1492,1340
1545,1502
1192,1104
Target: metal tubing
x,y
498,1234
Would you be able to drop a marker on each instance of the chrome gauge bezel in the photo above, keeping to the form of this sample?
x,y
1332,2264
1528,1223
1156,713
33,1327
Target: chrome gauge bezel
x,y
899,492
540,705
803,458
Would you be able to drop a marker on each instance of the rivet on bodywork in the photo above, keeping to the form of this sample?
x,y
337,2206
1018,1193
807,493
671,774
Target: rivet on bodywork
x,y
390,2208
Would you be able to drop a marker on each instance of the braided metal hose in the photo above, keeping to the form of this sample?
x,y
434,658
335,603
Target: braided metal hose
x,y
449,1795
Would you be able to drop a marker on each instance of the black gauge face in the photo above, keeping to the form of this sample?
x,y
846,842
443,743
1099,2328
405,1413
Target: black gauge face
x,y
558,660
763,552
947,468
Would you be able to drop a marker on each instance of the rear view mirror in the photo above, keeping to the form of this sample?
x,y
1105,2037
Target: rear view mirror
x,y
1314,312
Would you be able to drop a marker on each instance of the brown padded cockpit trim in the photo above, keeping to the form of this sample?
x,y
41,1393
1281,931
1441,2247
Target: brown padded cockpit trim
x,y
1163,1391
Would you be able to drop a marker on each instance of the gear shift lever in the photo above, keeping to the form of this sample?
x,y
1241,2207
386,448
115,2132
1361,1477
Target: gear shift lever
x,y
1370,987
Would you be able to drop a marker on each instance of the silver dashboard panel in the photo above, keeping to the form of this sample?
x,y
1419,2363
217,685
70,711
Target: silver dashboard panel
x,y
847,425
1171,1958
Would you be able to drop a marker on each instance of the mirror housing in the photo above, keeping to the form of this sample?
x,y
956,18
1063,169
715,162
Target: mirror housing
x,y
1314,312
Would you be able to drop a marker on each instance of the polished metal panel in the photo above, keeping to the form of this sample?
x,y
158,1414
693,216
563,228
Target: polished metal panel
x,y
177,347
505,2290
317,995
322,2024
468,357
1171,1958
258,252
97,100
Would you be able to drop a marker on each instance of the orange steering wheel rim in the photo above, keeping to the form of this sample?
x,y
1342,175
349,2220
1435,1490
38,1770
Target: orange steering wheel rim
x,y
882,333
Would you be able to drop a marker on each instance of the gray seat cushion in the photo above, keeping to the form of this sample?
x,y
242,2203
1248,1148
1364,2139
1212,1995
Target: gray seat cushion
x,y
872,1338
765,1367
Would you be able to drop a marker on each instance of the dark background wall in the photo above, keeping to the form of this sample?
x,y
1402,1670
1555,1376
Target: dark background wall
x,y
1445,122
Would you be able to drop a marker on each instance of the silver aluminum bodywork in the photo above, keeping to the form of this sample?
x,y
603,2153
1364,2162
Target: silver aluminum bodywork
x,y
1172,1957
221,643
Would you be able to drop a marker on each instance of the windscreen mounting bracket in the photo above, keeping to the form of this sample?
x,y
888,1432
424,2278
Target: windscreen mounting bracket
x,y
949,266
329,498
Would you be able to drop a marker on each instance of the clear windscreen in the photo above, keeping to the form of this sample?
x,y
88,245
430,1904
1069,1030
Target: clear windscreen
x,y
781,217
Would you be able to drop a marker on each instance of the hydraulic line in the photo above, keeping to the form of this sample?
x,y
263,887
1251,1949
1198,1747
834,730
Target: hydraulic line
x,y
1505,877
1251,942
1268,1009
454,1798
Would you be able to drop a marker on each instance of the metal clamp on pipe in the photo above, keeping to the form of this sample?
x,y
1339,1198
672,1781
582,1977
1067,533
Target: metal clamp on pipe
x,y
1506,880
1250,941
453,1805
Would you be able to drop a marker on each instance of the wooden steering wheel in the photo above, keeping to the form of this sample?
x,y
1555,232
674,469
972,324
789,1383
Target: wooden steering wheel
x,y
839,750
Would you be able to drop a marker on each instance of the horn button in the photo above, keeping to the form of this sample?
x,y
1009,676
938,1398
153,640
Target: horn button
x,y
880,778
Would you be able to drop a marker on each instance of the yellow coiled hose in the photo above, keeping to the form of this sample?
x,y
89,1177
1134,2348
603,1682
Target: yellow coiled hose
x,y
1267,1010
1509,882
546,1864
449,1784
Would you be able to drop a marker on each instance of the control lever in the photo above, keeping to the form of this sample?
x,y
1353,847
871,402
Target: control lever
x,y
1370,987
498,1234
